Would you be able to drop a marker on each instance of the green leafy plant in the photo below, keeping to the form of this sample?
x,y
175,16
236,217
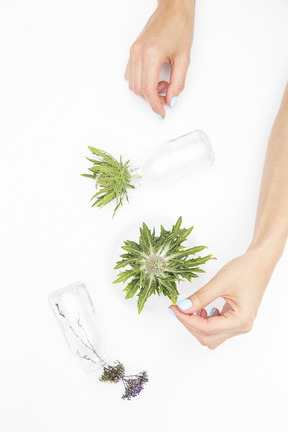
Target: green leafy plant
x,y
157,263
113,178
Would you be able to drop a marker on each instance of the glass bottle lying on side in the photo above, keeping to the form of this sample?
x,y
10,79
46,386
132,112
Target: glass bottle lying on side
x,y
168,162
75,313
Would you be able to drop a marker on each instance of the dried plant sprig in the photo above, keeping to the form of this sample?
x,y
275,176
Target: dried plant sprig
x,y
113,178
112,373
134,385
156,263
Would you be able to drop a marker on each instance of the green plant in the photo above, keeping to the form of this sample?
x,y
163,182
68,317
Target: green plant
x,y
157,263
113,178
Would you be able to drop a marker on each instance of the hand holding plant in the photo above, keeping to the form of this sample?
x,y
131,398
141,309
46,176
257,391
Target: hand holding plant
x,y
241,283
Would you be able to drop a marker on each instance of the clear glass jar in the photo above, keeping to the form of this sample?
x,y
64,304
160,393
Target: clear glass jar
x,y
75,313
177,158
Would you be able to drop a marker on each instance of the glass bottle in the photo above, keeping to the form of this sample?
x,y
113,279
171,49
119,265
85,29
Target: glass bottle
x,y
177,158
75,313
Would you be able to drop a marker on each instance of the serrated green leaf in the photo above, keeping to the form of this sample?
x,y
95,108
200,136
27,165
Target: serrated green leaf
x,y
124,276
144,293
106,156
88,175
186,252
125,262
132,288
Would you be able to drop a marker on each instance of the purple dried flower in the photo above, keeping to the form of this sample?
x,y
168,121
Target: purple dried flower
x,y
133,386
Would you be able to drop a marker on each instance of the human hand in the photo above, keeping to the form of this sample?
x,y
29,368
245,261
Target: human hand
x,y
241,283
166,38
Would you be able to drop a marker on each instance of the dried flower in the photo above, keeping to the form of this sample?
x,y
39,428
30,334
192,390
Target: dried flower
x,y
112,373
134,385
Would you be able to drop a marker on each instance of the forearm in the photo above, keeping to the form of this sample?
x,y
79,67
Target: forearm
x,y
271,227
177,2
176,5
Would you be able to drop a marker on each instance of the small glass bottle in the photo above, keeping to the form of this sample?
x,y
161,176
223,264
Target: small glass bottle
x,y
75,313
177,158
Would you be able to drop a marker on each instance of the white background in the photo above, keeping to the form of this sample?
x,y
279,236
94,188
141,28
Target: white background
x,y
61,89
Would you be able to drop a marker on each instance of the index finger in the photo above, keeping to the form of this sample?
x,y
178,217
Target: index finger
x,y
150,77
177,79
219,324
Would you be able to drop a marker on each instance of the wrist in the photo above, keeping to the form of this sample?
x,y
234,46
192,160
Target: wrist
x,y
268,249
187,5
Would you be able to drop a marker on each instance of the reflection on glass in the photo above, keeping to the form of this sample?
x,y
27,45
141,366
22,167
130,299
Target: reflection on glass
x,y
178,158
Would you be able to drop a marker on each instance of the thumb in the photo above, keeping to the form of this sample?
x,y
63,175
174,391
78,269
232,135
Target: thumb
x,y
177,81
201,298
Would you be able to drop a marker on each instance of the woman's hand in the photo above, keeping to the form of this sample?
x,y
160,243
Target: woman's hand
x,y
167,37
241,283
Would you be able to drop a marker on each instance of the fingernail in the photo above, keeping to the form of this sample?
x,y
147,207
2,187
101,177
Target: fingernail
x,y
212,311
173,102
198,313
171,311
184,304
159,117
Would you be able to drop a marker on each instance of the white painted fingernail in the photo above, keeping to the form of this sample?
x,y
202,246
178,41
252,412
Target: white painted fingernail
x,y
171,311
184,304
212,312
173,102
